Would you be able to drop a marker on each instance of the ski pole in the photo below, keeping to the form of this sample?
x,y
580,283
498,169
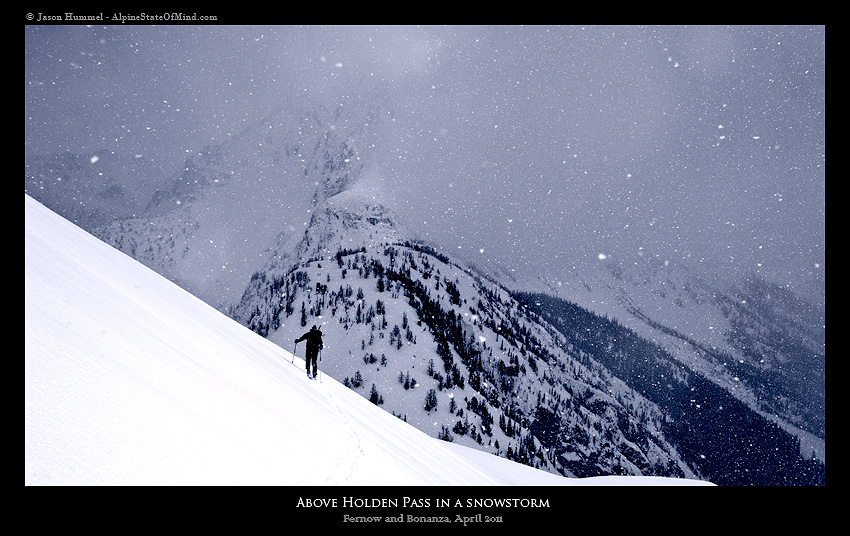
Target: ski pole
x,y
293,352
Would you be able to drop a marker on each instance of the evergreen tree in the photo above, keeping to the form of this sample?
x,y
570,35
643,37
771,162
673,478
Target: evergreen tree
x,y
374,397
431,400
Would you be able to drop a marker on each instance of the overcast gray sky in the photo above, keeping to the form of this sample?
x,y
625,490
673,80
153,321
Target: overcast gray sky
x,y
531,146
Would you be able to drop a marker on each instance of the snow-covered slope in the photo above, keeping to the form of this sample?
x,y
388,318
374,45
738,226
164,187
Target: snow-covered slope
x,y
131,380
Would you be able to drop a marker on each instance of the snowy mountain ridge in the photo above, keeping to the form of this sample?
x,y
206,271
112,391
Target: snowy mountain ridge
x,y
130,380
487,355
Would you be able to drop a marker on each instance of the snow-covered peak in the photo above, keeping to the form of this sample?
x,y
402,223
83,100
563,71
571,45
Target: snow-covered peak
x,y
131,380
369,187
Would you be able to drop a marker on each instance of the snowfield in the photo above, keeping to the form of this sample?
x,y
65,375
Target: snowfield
x,y
130,380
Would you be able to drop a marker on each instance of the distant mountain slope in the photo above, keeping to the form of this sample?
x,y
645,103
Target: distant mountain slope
x,y
92,189
759,341
699,413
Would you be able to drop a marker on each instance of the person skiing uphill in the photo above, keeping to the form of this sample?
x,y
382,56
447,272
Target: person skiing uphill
x,y
314,344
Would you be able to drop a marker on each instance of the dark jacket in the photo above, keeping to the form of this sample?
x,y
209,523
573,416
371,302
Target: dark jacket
x,y
314,340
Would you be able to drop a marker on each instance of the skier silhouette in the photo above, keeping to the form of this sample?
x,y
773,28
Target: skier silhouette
x,y
314,345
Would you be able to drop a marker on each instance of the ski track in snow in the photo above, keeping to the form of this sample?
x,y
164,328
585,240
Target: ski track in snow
x,y
343,466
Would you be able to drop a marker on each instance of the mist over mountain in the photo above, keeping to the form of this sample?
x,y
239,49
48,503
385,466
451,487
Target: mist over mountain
x,y
212,222
696,143
94,189
616,366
